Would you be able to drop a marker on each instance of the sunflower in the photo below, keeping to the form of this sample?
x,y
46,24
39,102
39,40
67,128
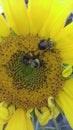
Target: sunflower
x,y
35,45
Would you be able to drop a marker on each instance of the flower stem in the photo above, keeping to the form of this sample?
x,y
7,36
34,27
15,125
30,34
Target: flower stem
x,y
55,123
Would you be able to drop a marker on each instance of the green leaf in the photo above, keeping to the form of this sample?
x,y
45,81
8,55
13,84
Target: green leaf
x,y
67,71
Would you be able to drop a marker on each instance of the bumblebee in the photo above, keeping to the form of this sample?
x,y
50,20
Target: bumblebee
x,y
33,63
46,44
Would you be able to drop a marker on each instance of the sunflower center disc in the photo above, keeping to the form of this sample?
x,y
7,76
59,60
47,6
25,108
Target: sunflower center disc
x,y
28,75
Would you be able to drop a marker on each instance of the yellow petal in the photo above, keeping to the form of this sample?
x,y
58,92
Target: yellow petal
x,y
1,126
29,124
43,117
67,56
16,14
3,114
53,109
11,110
4,30
2,103
50,103
29,113
65,100
65,33
57,16
19,121
55,113
64,42
67,71
38,12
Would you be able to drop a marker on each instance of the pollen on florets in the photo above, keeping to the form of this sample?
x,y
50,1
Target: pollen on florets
x,y
28,75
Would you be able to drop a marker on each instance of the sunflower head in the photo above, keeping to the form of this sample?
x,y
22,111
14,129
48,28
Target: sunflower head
x,y
30,71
